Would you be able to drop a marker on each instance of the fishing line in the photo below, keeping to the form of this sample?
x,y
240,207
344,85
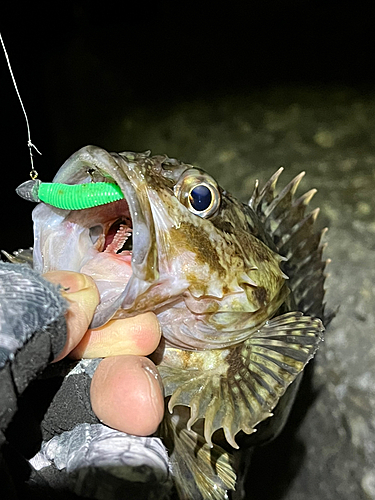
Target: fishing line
x,y
33,173
68,197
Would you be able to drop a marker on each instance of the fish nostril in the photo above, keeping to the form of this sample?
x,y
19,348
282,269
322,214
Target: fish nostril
x,y
95,232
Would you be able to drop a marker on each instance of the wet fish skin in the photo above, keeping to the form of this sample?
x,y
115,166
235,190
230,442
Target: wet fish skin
x,y
237,330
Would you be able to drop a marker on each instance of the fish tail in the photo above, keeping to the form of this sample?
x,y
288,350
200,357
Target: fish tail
x,y
199,471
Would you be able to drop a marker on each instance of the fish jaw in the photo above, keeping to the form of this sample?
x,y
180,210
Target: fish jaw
x,y
93,163
62,238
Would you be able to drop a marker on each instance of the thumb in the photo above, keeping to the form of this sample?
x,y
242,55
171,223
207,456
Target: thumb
x,y
82,296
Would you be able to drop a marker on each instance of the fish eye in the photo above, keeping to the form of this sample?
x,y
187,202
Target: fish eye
x,y
198,192
200,197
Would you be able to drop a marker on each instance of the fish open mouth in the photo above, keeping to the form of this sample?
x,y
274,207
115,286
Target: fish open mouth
x,y
117,239
111,242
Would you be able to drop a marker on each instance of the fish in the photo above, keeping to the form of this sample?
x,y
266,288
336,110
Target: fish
x,y
238,290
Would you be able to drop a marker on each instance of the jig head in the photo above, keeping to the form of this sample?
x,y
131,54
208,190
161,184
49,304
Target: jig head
x,y
70,197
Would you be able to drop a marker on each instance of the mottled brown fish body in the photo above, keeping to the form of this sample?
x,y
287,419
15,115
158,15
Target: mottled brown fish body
x,y
238,291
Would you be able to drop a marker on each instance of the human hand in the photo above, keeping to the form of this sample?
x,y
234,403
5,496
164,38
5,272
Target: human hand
x,y
126,390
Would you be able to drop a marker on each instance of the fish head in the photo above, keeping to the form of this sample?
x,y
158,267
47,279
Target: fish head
x,y
199,258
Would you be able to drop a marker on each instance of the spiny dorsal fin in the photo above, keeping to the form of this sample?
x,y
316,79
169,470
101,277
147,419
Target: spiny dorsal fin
x,y
295,237
200,472
266,195
21,256
243,390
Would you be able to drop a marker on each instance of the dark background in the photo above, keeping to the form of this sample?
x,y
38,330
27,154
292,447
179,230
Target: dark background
x,y
82,67
240,88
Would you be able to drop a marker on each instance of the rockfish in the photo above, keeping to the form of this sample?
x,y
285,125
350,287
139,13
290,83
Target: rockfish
x,y
238,291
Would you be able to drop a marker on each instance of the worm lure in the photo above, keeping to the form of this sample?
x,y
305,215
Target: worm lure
x,y
70,197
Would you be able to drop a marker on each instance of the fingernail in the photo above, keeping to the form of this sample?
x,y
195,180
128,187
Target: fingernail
x,y
151,370
69,281
80,282
157,397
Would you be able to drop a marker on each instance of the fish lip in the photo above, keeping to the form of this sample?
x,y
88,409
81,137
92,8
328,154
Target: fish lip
x,y
75,171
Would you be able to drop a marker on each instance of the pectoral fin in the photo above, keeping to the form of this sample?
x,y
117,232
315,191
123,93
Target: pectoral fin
x,y
243,390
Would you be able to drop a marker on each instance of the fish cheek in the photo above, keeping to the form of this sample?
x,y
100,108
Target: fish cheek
x,y
260,252
196,240
260,295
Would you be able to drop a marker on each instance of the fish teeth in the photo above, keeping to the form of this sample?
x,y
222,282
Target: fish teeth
x,y
119,239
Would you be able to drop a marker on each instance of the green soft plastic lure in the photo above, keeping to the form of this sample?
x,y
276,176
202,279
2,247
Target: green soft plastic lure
x,y
70,197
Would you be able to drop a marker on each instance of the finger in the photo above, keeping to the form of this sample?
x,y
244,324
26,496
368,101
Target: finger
x,y
126,394
82,295
136,335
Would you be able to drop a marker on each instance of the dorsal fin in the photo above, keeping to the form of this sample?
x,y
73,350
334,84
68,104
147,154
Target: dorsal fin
x,y
20,256
294,234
